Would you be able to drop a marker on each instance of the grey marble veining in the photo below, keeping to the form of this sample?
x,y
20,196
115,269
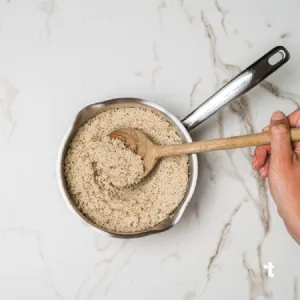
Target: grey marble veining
x,y
59,56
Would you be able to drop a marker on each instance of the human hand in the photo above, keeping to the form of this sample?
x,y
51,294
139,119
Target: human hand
x,y
280,162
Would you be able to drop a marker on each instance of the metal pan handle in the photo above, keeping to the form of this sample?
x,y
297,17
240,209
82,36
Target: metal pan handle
x,y
238,86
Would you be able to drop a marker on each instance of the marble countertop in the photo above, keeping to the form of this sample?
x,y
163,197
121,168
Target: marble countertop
x,y
57,56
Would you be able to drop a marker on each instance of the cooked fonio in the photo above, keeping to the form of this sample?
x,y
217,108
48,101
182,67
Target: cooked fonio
x,y
104,177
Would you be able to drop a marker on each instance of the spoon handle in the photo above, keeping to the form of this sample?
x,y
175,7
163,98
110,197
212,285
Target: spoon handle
x,y
221,144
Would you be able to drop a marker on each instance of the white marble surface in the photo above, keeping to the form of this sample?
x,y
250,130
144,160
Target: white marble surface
x,y
57,56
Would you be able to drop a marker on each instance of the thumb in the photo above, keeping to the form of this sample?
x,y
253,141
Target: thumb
x,y
281,146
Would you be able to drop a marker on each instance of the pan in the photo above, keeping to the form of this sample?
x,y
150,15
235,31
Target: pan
x,y
237,87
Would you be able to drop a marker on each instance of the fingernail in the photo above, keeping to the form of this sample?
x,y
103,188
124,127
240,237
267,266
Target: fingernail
x,y
262,173
278,115
266,129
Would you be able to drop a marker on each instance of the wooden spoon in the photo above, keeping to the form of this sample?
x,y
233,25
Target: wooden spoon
x,y
142,145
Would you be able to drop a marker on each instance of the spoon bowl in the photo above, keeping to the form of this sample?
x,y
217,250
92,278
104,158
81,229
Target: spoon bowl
x,y
139,143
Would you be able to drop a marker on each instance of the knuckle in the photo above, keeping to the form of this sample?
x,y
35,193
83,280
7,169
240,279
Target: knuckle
x,y
279,210
280,129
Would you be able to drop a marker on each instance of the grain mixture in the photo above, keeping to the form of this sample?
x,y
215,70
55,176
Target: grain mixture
x,y
99,169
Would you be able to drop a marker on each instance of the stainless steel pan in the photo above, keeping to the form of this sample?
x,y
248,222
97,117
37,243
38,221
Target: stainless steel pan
x,y
238,86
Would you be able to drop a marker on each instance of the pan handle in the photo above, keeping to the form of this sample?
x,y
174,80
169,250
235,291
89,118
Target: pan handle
x,y
238,86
